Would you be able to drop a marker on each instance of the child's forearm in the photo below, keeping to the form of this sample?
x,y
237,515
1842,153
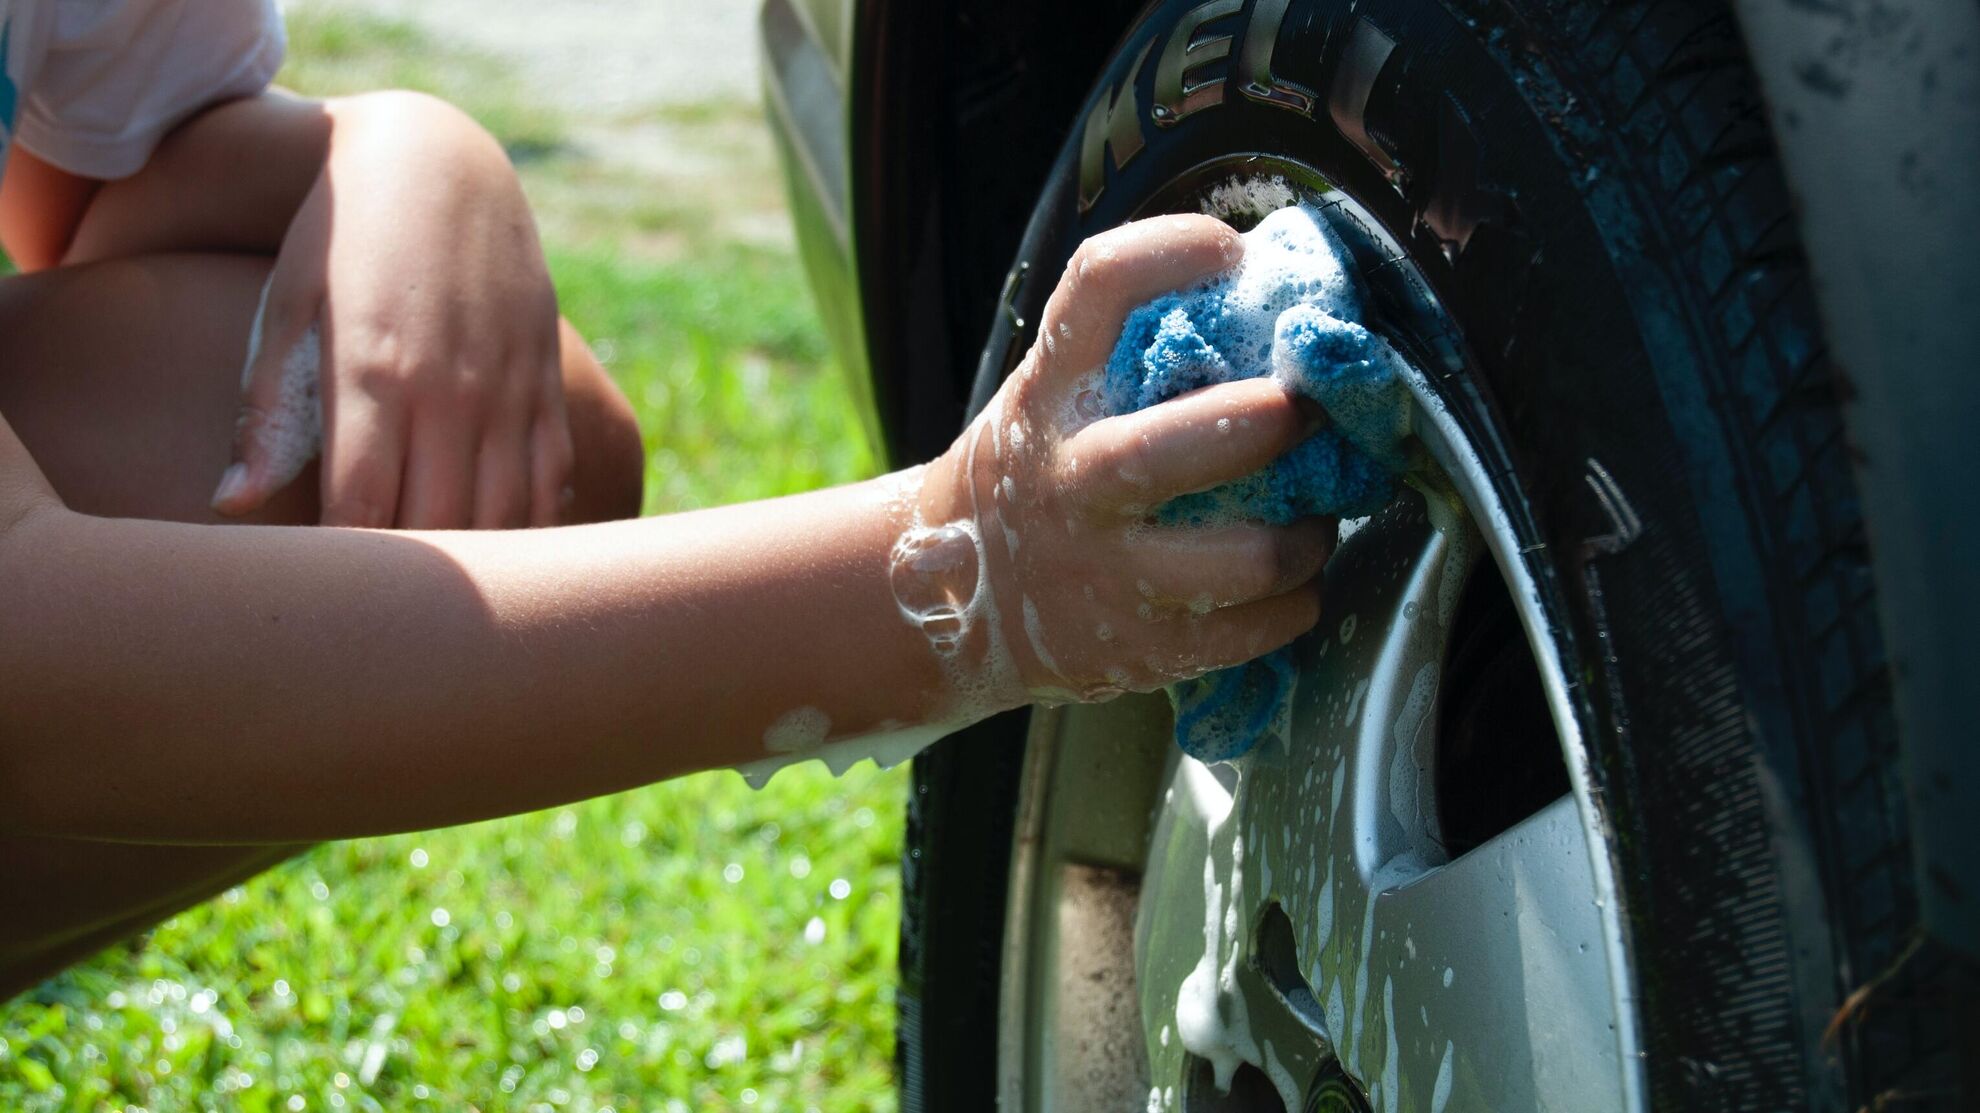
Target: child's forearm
x,y
169,682
163,681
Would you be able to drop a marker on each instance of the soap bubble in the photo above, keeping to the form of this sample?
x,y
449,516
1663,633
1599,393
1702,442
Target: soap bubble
x,y
934,573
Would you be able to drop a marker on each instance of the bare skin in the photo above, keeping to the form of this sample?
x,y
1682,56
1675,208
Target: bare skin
x,y
165,682
123,379
399,229
128,405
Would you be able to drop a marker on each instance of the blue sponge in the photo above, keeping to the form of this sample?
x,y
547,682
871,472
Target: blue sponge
x,y
1289,310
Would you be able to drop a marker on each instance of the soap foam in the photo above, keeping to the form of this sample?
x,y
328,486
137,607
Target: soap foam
x,y
1213,1012
940,582
936,576
887,746
1248,198
291,431
798,731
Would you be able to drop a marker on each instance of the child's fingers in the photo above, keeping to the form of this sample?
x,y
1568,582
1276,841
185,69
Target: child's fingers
x,y
1191,443
1210,568
502,481
552,454
1122,267
439,481
1234,635
552,458
363,458
278,429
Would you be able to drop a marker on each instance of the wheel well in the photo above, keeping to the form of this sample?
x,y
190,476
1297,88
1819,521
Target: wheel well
x,y
957,111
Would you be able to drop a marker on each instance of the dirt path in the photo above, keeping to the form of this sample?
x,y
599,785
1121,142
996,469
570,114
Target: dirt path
x,y
659,99
604,56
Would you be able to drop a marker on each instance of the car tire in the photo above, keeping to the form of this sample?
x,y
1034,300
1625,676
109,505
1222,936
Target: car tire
x,y
1591,190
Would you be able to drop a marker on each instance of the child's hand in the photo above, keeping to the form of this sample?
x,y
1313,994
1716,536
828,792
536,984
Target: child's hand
x,y
416,255
1081,595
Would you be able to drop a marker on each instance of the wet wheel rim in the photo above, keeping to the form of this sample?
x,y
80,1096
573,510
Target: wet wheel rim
x,y
1407,904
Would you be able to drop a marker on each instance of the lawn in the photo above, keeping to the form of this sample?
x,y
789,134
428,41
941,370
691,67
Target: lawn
x,y
693,945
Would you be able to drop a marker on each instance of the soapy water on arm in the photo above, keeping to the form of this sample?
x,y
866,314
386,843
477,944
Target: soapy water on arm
x,y
1057,620
1026,594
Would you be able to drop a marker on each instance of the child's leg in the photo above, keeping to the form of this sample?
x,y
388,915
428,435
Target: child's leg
x,y
122,378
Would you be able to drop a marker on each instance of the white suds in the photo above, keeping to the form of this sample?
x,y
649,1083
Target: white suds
x,y
291,432
797,731
1248,199
1034,630
887,747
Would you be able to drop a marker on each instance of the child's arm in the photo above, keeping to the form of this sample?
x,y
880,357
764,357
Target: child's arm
x,y
173,682
399,229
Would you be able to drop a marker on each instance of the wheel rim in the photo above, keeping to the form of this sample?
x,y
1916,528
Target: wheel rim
x,y
1341,928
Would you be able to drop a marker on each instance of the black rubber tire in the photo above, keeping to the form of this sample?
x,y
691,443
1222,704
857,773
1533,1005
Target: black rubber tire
x,y
1631,285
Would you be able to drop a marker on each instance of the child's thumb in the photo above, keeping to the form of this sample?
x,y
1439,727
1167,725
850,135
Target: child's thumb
x,y
280,426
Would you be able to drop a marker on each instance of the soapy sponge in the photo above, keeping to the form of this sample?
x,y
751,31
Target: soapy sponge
x,y
1291,309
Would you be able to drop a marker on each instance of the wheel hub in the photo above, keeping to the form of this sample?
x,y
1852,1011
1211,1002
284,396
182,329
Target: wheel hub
x,y
1319,921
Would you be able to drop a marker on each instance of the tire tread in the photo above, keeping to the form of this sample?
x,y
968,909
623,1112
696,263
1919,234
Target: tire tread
x,y
1697,123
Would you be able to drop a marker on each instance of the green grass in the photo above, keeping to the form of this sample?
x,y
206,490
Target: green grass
x,y
714,353
684,946
593,956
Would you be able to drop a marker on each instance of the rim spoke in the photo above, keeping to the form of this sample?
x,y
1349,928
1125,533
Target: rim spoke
x,y
1304,909
1216,967
1170,931
1515,991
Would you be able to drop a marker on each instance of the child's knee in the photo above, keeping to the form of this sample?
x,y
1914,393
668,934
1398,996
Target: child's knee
x,y
609,472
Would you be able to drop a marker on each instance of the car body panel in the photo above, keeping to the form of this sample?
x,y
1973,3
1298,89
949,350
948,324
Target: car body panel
x,y
938,137
807,55
1876,113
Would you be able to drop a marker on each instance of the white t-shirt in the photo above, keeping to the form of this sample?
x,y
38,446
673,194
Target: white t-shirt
x,y
92,85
